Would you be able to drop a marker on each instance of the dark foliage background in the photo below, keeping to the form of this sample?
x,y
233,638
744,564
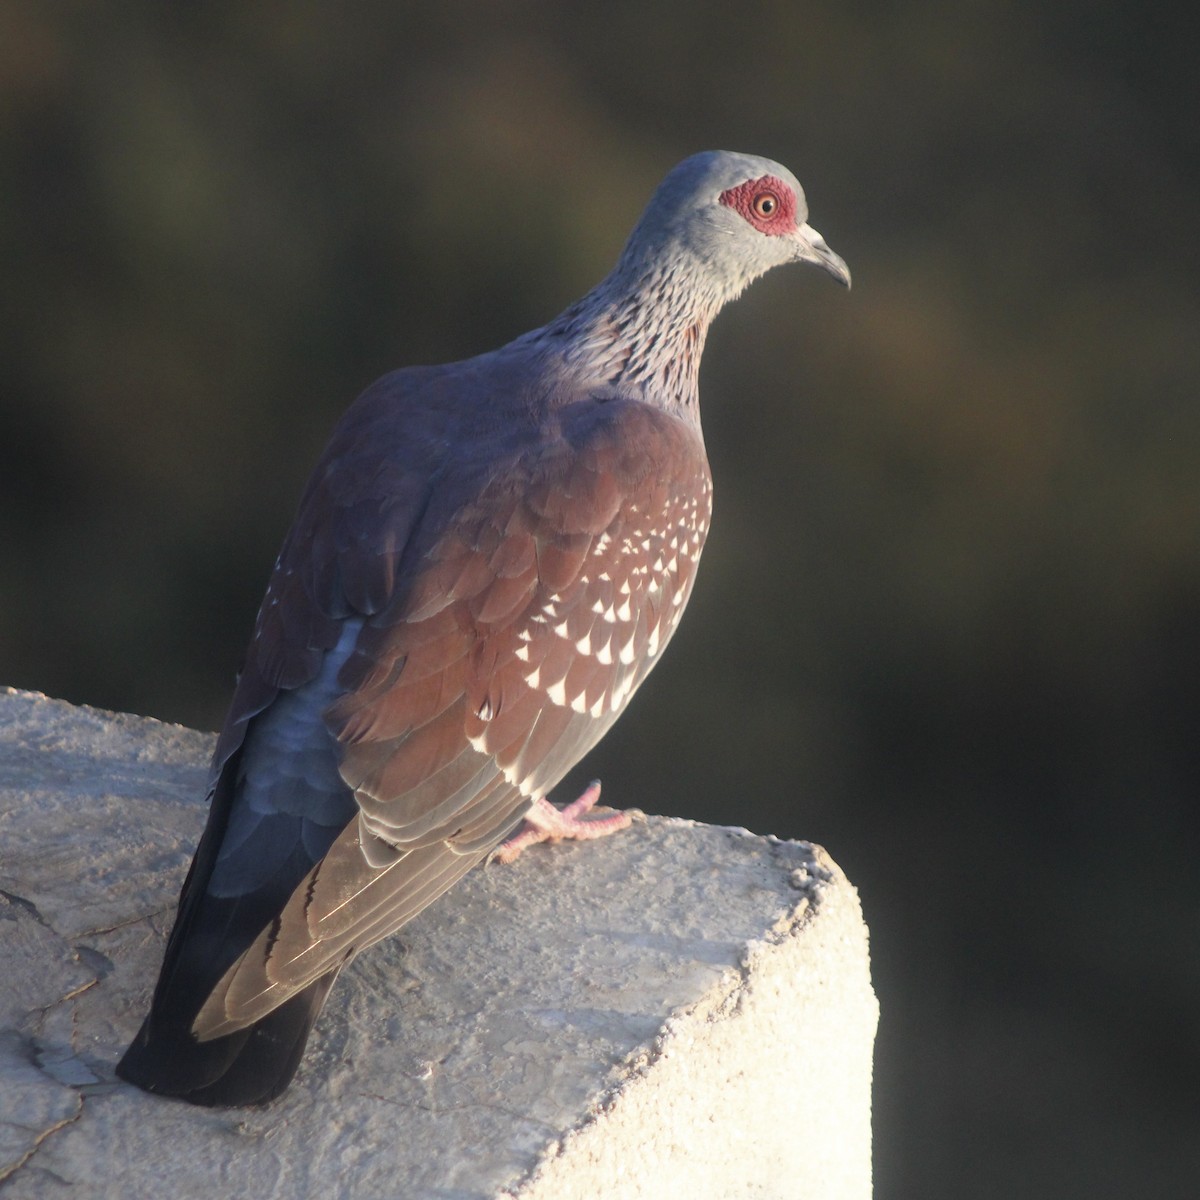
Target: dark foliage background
x,y
947,620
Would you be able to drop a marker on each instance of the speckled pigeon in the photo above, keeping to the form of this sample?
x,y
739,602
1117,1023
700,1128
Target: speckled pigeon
x,y
487,561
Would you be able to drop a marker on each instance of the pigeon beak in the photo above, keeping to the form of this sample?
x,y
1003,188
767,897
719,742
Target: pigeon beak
x,y
811,248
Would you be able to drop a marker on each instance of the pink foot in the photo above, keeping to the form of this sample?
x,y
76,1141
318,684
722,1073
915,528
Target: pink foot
x,y
545,823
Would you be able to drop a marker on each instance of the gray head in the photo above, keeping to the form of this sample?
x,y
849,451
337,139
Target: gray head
x,y
733,216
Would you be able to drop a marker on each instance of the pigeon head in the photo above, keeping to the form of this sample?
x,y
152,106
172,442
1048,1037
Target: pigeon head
x,y
716,223
731,217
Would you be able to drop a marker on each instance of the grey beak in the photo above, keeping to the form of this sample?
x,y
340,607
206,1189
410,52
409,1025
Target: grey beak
x,y
811,248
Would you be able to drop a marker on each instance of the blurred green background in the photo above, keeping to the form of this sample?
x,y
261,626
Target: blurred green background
x,y
947,621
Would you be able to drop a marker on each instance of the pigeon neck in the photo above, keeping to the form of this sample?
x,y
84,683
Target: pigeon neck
x,y
643,327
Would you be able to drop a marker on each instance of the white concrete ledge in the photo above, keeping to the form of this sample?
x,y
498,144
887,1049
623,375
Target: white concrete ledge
x,y
678,1011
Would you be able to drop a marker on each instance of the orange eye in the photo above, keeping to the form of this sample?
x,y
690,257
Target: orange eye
x,y
765,204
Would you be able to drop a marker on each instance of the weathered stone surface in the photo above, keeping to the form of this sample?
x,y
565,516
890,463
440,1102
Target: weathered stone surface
x,y
679,1011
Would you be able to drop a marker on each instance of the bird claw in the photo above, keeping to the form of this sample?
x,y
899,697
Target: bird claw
x,y
545,823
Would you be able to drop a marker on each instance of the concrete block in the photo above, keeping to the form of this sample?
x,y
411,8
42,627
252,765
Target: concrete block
x,y
677,1011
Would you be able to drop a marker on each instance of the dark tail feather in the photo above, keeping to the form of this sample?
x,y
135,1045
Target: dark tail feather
x,y
251,1066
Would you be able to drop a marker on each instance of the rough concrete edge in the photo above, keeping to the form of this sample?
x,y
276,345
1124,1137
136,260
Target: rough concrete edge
x,y
721,1003
118,715
812,874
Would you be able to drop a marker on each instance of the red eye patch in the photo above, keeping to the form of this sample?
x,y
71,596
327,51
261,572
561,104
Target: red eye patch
x,y
767,203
